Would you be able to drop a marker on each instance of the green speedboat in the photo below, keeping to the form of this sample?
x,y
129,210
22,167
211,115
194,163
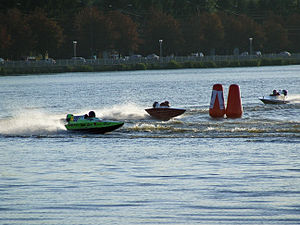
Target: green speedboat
x,y
91,124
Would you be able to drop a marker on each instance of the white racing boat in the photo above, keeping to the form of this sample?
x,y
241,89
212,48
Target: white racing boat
x,y
277,97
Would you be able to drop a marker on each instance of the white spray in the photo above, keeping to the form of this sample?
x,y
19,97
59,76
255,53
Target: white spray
x,y
31,122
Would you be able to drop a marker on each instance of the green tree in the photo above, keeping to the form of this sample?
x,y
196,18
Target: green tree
x,y
47,34
233,33
280,7
293,28
17,29
227,4
54,8
126,38
238,30
203,33
94,32
213,31
5,40
193,35
164,27
276,37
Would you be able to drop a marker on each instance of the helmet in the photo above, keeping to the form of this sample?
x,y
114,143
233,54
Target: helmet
x,y
284,92
92,114
69,117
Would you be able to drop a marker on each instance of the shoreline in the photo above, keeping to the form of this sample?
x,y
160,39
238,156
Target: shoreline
x,y
172,64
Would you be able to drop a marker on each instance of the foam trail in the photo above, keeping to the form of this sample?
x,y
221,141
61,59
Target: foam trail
x,y
294,98
126,111
31,122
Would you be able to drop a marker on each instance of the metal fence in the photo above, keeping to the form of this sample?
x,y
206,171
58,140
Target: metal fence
x,y
109,62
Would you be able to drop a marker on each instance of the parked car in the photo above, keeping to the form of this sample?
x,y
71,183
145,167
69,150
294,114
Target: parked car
x,y
258,53
2,61
115,56
79,59
135,56
244,54
50,61
152,57
30,59
285,54
198,54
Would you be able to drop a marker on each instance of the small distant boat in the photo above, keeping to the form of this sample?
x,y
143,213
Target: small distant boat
x,y
163,111
277,97
91,124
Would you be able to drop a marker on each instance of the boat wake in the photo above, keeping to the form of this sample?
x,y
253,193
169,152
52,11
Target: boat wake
x,y
126,111
35,121
258,121
294,99
30,122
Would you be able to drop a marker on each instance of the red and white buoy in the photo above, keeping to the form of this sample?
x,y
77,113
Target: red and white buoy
x,y
234,107
217,108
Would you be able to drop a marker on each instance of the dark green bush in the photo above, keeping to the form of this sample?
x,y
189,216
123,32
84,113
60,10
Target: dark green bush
x,y
173,65
209,64
251,62
140,66
266,62
198,65
234,63
189,64
84,68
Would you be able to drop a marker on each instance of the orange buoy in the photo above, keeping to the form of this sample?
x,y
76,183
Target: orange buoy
x,y
234,107
217,108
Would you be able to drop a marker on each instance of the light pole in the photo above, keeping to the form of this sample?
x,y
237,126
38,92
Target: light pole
x,y
250,39
160,49
74,48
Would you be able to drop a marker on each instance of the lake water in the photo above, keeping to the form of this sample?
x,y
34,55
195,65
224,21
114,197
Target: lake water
x,y
190,170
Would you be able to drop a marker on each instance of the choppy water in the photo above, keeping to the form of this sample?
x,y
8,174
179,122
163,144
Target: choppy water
x,y
189,170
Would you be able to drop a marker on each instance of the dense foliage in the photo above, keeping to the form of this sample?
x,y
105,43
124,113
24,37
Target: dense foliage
x,y
124,27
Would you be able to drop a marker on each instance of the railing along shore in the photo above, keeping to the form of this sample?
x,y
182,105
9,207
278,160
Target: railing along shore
x,y
163,60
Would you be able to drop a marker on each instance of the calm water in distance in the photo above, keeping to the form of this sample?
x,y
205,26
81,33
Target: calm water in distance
x,y
190,170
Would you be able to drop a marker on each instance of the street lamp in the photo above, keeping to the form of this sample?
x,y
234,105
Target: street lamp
x,y
250,39
160,48
74,46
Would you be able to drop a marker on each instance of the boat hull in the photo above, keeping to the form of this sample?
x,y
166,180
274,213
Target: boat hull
x,y
273,101
164,113
95,127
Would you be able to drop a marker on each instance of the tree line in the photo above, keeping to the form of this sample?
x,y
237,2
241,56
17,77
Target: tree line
x,y
125,27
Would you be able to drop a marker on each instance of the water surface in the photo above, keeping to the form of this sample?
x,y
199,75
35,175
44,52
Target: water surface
x,y
189,170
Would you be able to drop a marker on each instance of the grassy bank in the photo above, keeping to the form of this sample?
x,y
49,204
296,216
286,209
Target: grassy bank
x,y
147,66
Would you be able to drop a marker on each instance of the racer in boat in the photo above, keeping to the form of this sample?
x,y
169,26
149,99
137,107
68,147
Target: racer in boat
x,y
161,105
155,105
92,114
275,93
165,104
284,92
